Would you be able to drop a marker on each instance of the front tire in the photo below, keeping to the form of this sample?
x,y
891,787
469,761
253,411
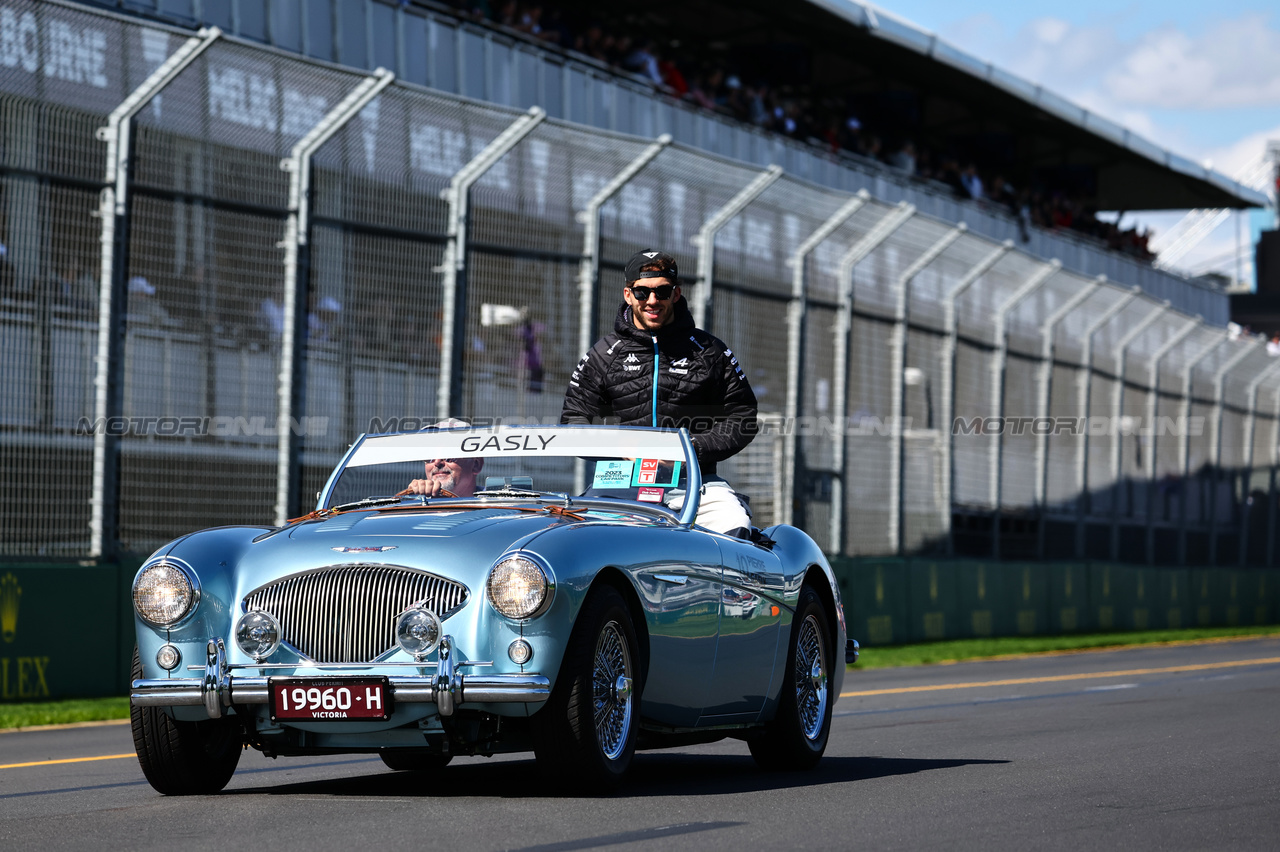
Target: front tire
x,y
585,735
184,758
797,736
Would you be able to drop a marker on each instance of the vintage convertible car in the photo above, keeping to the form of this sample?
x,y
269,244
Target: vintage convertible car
x,y
513,618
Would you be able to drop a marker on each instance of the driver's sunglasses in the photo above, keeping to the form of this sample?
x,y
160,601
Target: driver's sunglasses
x,y
663,292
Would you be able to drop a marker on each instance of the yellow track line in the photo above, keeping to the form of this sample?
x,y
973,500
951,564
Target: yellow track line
x,y
67,760
1057,678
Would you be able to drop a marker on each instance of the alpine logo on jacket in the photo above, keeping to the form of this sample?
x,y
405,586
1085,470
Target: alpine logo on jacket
x,y
680,367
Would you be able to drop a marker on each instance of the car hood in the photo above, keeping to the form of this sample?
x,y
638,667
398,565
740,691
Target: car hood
x,y
444,542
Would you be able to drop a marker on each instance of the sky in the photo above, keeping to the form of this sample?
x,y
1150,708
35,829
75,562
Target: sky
x,y
1199,78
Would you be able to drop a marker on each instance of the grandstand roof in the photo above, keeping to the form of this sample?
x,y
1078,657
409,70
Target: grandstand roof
x,y
856,47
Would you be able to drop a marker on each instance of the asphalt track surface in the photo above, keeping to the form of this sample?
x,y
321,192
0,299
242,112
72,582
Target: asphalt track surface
x,y
1153,748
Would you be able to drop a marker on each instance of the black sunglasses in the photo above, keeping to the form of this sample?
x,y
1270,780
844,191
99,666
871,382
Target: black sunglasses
x,y
663,292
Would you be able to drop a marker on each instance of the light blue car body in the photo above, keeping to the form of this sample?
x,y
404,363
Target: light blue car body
x,y
712,613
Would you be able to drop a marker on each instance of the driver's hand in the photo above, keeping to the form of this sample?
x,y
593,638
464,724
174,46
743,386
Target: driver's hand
x,y
425,487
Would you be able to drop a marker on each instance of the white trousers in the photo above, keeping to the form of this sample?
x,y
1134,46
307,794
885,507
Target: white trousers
x,y
720,509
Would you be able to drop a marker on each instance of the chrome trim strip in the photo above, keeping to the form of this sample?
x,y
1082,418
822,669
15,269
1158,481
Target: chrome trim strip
x,y
322,499
307,664
490,689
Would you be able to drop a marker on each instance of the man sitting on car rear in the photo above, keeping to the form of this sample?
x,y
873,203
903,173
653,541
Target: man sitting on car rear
x,y
656,368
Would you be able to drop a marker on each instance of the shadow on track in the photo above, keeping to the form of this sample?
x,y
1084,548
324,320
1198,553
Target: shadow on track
x,y
652,775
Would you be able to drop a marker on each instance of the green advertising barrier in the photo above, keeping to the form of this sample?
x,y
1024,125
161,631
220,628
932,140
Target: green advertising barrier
x,y
1027,593
932,606
875,599
1110,596
1069,610
61,631
1208,604
1174,598
983,605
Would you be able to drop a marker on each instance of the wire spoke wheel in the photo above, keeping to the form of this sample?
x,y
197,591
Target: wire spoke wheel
x,y
811,679
585,735
797,736
611,692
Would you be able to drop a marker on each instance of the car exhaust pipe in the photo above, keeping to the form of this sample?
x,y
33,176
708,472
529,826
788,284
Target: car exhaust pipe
x,y
851,652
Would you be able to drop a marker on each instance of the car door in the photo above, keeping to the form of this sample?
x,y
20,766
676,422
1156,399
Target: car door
x,y
750,619
677,573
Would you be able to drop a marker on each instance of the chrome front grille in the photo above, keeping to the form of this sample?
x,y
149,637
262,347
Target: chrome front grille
x,y
347,613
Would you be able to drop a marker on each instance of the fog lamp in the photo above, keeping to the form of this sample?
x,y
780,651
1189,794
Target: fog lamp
x,y
168,657
418,632
164,593
520,652
258,634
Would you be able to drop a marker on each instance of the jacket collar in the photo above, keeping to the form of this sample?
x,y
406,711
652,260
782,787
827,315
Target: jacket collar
x,y
680,326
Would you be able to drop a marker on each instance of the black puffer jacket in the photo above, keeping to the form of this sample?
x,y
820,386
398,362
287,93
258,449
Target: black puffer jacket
x,y
701,386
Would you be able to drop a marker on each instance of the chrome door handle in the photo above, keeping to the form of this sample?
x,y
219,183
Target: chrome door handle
x,y
676,579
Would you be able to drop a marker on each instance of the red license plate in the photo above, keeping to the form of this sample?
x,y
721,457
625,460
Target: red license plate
x,y
324,699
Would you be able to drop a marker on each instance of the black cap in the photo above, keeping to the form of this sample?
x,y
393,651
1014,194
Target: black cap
x,y
650,257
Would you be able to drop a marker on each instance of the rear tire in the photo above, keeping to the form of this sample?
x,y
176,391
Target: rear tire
x,y
797,736
585,735
184,758
414,760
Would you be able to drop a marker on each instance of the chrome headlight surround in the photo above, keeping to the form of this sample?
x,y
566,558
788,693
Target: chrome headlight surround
x,y
520,586
168,577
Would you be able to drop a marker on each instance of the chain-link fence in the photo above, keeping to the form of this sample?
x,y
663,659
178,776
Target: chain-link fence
x,y
223,262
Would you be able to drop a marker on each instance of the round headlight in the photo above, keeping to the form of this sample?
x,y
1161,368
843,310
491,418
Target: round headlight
x,y
418,632
518,587
258,634
163,594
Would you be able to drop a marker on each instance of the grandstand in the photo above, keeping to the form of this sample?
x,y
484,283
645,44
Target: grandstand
x,y
1045,161
167,267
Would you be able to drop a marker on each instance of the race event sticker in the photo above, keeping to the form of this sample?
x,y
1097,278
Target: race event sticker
x,y
613,473
654,472
650,495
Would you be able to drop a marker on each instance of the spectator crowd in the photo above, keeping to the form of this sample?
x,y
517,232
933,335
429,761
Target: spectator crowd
x,y
711,80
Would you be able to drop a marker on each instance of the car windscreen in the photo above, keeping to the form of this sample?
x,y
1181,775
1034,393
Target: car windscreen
x,y
511,463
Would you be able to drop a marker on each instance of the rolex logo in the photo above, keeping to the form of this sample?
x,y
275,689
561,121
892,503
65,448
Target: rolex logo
x,y
9,594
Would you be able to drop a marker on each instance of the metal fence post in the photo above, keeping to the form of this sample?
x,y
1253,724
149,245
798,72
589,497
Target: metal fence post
x,y
1184,450
297,268
589,265
1215,469
898,382
589,218
844,329
1084,397
1271,498
1250,426
999,371
1153,379
1048,349
1120,355
453,335
115,208
948,368
795,347
705,240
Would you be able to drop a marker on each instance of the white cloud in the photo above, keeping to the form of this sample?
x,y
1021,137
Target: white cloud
x,y
1235,63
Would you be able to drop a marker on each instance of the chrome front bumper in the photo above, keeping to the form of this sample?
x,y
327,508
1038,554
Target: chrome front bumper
x,y
219,688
